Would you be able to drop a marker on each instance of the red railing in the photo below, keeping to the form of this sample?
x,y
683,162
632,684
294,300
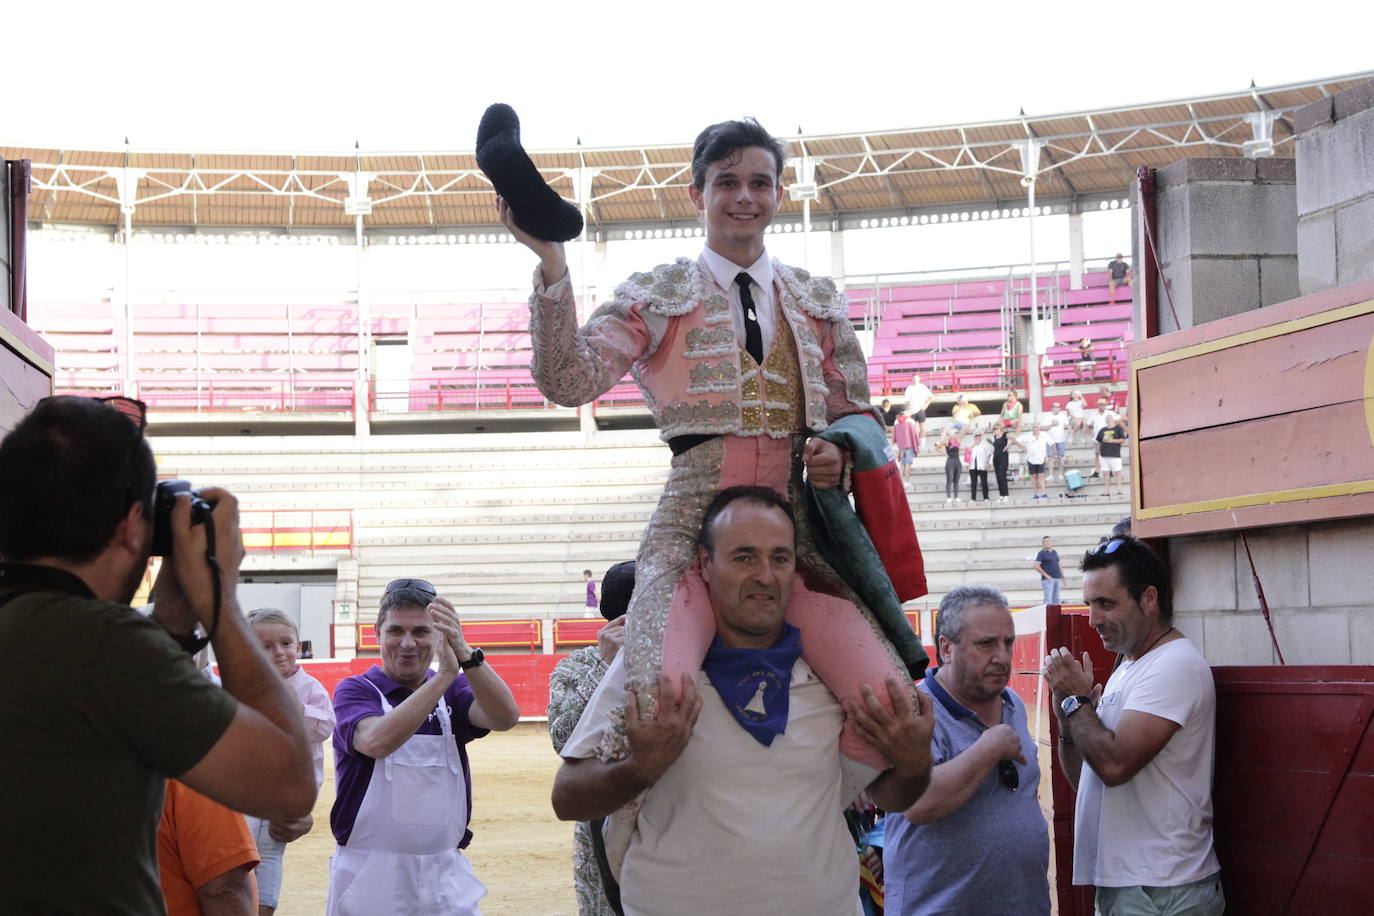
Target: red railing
x,y
1061,366
272,394
507,389
888,376
476,390
298,531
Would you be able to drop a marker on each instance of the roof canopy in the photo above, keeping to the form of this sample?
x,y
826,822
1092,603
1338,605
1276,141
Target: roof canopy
x,y
1074,156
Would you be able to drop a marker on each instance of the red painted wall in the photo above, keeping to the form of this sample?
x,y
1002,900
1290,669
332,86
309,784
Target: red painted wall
x,y
526,675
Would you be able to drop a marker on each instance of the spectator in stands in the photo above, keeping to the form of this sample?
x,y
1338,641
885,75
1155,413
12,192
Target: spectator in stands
x,y
963,413
980,462
279,635
1077,409
571,685
1047,565
1036,444
1109,441
1086,359
954,464
1011,411
1143,820
751,740
1001,459
205,857
1056,423
907,441
404,792
918,397
889,414
707,339
591,591
85,758
1118,274
976,842
1101,418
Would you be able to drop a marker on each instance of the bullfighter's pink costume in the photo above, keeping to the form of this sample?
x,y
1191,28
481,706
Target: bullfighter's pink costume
x,y
672,328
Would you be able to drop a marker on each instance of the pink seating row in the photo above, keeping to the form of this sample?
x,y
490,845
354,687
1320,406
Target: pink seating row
x,y
1102,330
1120,311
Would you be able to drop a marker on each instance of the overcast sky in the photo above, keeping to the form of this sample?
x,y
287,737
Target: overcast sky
x,y
406,75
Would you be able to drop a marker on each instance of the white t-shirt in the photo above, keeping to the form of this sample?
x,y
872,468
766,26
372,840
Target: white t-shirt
x,y
980,457
917,397
1037,447
1156,829
1057,425
1100,420
1075,409
736,827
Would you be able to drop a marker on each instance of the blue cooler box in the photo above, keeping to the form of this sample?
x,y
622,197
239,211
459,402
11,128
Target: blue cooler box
x,y
1073,480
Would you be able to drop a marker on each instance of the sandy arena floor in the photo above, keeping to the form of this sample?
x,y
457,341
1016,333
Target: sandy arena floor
x,y
520,850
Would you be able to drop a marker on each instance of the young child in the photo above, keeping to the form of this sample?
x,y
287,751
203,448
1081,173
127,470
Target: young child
x,y
280,640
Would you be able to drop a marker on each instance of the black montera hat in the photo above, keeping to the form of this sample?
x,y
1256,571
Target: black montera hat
x,y
534,205
616,589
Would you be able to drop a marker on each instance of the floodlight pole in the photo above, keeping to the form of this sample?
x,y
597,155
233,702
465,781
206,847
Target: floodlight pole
x,y
126,185
361,400
1030,168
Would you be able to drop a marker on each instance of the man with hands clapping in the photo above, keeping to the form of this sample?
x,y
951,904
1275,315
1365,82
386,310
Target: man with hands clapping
x,y
404,790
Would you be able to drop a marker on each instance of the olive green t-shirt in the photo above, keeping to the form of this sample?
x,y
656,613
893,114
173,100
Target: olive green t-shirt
x,y
97,706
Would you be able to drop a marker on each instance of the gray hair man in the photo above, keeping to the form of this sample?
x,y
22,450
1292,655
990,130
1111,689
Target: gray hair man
x,y
975,842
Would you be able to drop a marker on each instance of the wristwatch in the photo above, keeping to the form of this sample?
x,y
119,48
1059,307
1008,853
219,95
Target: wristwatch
x,y
1071,705
476,658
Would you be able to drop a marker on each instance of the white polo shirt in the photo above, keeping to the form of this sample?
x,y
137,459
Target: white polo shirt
x,y
736,827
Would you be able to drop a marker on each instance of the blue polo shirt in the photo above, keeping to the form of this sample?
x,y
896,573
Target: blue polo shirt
x,y
989,857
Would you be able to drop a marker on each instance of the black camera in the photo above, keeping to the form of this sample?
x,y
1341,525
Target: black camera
x,y
164,498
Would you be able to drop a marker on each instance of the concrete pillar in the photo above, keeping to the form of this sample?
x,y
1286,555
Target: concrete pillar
x,y
837,255
1335,200
1075,250
1227,237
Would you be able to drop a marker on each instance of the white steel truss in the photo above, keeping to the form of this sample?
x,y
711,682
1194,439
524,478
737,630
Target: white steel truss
x,y
599,181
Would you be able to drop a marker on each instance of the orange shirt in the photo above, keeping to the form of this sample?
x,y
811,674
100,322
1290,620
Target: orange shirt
x,y
197,840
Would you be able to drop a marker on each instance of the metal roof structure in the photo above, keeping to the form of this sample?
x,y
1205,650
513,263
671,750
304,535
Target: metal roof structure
x,y
1073,158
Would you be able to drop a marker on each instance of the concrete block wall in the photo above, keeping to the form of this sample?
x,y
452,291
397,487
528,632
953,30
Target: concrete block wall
x,y
1317,580
1335,189
1227,237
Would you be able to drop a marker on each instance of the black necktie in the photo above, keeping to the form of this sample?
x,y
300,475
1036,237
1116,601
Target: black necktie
x,y
753,335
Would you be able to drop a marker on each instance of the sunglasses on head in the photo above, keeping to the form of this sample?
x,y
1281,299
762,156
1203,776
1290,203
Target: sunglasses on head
x,y
134,409
1006,774
420,585
1109,547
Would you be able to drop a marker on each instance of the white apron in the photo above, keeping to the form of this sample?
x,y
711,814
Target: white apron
x,y
402,856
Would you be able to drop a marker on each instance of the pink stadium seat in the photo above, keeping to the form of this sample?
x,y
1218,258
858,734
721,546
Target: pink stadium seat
x,y
965,339
920,307
991,304
914,324
1103,330
973,321
1121,311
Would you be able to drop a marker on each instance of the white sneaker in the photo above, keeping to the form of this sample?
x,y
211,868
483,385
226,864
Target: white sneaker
x,y
948,501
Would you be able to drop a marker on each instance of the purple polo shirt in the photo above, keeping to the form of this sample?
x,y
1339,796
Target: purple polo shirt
x,y
355,700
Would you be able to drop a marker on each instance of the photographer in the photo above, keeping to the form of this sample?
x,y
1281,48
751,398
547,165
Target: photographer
x,y
97,703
